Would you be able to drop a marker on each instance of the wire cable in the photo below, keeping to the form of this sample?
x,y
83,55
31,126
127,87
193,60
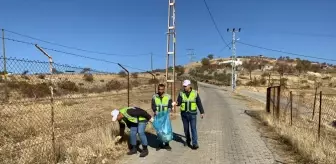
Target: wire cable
x,y
214,22
284,52
75,48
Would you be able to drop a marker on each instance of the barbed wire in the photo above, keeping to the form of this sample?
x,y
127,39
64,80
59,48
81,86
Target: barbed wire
x,y
72,54
75,48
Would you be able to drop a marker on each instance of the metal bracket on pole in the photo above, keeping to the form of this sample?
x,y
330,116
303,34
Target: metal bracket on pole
x,y
46,54
128,84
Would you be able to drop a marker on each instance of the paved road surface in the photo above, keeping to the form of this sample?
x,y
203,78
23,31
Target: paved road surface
x,y
226,136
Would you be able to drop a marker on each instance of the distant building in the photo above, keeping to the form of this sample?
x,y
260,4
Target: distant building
x,y
267,67
237,62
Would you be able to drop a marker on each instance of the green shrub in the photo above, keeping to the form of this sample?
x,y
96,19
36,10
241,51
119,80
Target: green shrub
x,y
68,86
41,76
263,81
38,90
135,83
88,77
134,75
265,74
153,81
113,85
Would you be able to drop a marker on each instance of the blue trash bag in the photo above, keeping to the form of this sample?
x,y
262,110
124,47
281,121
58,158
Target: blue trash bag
x,y
163,127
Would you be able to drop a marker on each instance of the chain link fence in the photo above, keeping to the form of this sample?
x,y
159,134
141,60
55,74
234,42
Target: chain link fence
x,y
59,113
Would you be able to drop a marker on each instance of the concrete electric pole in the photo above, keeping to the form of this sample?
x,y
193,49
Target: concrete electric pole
x,y
233,57
171,42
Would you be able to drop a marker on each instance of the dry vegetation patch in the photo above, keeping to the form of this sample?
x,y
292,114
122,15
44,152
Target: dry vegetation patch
x,y
301,136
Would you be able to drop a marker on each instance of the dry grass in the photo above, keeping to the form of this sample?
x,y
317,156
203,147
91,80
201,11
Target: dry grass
x,y
83,129
302,135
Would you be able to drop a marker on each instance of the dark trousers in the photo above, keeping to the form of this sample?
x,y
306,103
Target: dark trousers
x,y
189,123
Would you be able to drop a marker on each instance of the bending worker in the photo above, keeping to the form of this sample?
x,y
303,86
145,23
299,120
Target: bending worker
x,y
189,101
136,119
162,104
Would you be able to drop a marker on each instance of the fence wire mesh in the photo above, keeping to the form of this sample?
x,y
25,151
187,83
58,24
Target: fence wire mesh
x,y
50,112
311,110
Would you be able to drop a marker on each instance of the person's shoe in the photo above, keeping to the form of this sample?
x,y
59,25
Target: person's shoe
x,y
144,152
167,147
187,144
194,147
132,151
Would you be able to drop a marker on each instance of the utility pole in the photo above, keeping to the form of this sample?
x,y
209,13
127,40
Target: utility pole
x,y
152,62
191,54
233,57
171,43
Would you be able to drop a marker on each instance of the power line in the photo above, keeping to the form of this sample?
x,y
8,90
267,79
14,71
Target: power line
x,y
214,22
73,54
75,48
284,52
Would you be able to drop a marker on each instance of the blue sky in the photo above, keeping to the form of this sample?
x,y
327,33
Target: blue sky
x,y
128,27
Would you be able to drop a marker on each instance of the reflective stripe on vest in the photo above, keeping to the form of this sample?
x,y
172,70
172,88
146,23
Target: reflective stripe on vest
x,y
189,103
161,105
128,117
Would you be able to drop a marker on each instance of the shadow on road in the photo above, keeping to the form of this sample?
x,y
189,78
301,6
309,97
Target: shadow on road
x,y
178,138
152,140
154,143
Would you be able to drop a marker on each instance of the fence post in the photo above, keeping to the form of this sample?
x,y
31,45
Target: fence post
x,y
273,88
4,65
320,113
268,100
291,108
128,84
314,103
278,102
269,79
51,104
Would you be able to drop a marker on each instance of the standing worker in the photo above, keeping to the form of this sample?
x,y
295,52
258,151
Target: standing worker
x,y
136,119
162,103
189,101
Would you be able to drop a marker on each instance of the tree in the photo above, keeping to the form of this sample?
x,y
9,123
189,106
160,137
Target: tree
x,y
281,68
315,68
85,70
210,56
250,66
25,72
55,71
302,66
205,62
179,70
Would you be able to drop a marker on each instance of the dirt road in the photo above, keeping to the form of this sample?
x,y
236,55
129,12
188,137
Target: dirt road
x,y
226,135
